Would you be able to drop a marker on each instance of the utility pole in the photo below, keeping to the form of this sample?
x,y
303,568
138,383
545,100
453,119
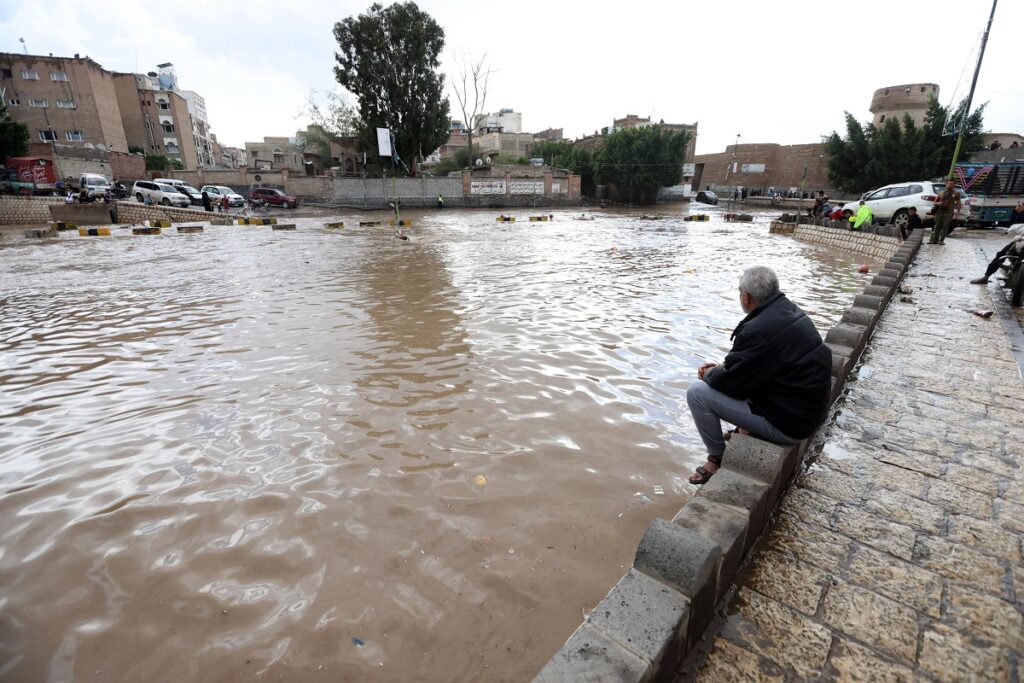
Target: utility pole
x,y
970,95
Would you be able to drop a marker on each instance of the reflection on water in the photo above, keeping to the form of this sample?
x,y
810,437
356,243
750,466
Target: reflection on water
x,y
250,453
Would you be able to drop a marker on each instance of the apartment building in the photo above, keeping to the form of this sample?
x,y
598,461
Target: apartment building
x,y
276,153
63,101
155,120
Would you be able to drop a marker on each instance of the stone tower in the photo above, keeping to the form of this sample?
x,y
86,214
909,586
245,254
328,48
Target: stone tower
x,y
896,100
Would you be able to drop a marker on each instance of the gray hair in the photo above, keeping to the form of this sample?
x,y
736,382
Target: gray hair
x,y
760,282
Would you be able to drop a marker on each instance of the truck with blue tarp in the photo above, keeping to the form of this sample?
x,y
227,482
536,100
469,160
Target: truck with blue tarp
x,y
994,190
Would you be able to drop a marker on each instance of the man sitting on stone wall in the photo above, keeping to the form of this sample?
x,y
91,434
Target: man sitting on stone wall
x,y
774,383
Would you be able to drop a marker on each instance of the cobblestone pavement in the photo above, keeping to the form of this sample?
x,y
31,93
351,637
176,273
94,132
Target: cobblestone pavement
x,y
898,555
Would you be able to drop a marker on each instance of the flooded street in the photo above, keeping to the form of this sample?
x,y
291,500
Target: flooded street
x,y
335,455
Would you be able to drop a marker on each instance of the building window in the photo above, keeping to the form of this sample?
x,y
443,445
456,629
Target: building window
x,y
922,88
38,103
58,76
6,73
168,127
30,75
14,102
74,136
163,105
66,104
47,135
882,120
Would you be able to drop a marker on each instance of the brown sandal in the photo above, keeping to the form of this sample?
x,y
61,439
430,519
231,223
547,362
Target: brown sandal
x,y
703,472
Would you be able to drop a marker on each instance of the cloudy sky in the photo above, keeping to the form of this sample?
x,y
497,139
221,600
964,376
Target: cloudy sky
x,y
779,71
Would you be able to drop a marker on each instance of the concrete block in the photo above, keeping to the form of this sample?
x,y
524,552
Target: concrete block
x,y
876,290
646,616
845,334
726,527
744,493
685,561
861,316
591,656
889,272
884,281
755,458
876,303
840,366
898,266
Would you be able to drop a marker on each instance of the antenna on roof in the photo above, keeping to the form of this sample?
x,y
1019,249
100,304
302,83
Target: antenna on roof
x,y
22,41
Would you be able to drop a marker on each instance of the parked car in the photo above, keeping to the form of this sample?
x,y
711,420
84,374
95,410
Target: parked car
x,y
159,193
217,191
95,185
273,197
194,195
890,203
707,197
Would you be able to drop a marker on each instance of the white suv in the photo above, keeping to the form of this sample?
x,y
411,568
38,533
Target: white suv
x,y
215,192
159,193
890,203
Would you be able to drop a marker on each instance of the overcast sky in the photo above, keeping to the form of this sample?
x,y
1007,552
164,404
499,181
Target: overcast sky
x,y
772,71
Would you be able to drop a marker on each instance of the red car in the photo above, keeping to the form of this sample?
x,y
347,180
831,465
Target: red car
x,y
273,197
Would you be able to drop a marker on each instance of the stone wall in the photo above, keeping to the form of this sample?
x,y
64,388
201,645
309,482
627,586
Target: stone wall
x,y
783,167
878,241
656,614
16,210
133,212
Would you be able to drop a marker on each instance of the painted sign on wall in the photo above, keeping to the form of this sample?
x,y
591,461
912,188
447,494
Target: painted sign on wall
x,y
527,187
487,187
752,168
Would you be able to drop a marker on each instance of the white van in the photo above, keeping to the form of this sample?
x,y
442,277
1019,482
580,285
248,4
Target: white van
x,y
158,193
95,185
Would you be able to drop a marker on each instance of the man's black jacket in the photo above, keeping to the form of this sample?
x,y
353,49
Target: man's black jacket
x,y
778,363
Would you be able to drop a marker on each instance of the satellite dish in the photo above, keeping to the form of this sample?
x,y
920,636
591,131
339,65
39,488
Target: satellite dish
x,y
479,163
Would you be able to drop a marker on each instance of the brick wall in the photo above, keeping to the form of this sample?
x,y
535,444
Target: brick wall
x,y
317,186
26,210
784,166
133,212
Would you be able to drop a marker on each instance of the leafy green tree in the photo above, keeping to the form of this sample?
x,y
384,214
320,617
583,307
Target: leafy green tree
x,y
13,135
159,162
899,150
563,154
638,161
388,59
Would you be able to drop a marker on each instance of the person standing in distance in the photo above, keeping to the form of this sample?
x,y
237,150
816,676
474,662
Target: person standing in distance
x,y
946,203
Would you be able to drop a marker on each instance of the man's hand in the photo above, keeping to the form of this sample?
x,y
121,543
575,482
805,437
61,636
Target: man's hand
x,y
704,368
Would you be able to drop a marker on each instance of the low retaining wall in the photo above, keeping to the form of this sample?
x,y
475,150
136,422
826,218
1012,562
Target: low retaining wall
x,y
16,210
134,212
653,617
879,241
83,214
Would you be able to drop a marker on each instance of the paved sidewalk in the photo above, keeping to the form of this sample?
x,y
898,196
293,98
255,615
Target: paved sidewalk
x,y
898,555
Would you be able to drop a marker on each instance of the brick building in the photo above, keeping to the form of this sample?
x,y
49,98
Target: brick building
x,y
68,101
275,153
552,134
763,166
155,120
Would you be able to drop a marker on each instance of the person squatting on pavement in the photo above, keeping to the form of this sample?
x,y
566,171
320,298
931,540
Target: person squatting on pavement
x,y
774,383
1014,248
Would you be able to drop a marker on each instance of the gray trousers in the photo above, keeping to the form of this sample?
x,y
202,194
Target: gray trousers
x,y
709,407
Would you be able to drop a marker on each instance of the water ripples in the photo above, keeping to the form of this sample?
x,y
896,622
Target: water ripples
x,y
248,453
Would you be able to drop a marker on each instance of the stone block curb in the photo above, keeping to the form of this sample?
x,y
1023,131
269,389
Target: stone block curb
x,y
655,614
590,655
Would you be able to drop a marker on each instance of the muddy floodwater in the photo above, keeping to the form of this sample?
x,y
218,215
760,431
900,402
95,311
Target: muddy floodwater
x,y
335,455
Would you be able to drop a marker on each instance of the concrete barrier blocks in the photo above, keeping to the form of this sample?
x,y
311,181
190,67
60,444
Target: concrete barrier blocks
x,y
848,335
647,617
590,655
724,526
761,460
741,492
686,561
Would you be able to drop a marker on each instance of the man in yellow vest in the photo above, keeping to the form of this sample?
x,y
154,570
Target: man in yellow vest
x,y
946,203
862,216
